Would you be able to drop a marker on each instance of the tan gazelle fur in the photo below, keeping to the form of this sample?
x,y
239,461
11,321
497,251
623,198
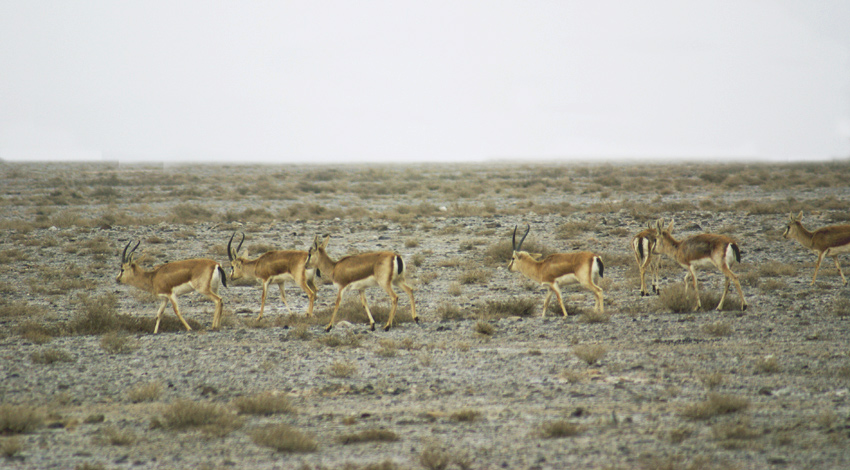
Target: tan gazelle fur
x,y
274,267
580,267
644,246
825,241
378,268
702,250
169,280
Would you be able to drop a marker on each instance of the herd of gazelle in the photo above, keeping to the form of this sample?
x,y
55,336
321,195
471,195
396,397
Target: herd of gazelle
x,y
386,269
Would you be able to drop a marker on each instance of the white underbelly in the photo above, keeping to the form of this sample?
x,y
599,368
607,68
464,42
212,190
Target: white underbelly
x,y
281,278
839,249
182,288
363,283
567,279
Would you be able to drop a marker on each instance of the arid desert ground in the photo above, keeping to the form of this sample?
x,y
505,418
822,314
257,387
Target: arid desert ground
x,y
482,381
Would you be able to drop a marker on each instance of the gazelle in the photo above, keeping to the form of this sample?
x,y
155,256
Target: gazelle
x,y
644,245
582,267
378,268
702,250
169,280
825,241
274,267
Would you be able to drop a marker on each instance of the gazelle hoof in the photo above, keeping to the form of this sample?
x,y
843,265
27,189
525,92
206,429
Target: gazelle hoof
x,y
416,320
386,328
744,308
372,327
328,328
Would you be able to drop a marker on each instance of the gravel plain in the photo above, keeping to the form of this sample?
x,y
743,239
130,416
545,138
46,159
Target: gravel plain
x,y
466,387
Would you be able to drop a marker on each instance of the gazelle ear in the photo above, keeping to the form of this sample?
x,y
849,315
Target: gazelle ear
x,y
800,216
659,225
670,227
536,256
326,241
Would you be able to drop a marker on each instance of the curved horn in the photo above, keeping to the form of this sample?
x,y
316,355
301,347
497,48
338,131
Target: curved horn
x,y
528,229
230,247
513,239
127,257
239,247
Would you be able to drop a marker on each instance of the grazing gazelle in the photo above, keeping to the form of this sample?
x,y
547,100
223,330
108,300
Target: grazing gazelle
x,y
274,267
644,246
582,267
825,241
377,268
172,279
704,249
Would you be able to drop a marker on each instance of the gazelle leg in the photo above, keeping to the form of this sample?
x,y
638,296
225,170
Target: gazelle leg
x,y
311,295
838,267
263,300
723,297
173,299
546,301
336,309
283,297
817,266
369,313
696,289
159,314
409,291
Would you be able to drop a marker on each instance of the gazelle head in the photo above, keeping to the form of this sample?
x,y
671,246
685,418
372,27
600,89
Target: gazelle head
x,y
794,224
513,264
127,263
316,249
235,259
664,236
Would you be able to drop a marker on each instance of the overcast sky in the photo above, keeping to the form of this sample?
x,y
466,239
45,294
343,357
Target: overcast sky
x,y
325,81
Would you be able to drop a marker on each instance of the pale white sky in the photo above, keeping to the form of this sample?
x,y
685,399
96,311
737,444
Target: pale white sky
x,y
323,81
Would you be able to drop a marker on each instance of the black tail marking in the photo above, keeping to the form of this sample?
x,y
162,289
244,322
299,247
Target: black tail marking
x,y
600,266
640,247
400,264
737,252
222,275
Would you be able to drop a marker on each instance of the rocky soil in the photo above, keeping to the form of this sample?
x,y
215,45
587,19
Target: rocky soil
x,y
463,388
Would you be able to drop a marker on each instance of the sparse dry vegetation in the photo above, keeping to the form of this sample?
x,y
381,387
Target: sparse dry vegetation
x,y
676,388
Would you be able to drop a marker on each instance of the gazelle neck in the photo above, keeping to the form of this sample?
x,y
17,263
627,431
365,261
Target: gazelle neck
x,y
802,235
324,262
141,279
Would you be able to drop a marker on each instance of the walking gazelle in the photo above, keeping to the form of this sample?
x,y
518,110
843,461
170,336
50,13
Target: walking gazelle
x,y
169,280
644,244
274,267
377,268
581,267
701,250
825,241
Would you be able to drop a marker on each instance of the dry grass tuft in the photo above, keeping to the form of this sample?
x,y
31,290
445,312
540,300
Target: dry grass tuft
x,y
212,419
117,437
509,307
718,328
484,328
369,435
19,419
284,438
10,446
145,392
118,342
716,404
264,404
466,415
677,299
592,316
50,356
559,429
341,369
590,353
767,364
